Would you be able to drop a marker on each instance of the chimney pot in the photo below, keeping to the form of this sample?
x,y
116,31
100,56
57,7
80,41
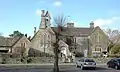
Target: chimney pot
x,y
92,24
42,12
34,30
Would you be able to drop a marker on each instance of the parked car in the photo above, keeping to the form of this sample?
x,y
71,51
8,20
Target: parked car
x,y
114,63
86,63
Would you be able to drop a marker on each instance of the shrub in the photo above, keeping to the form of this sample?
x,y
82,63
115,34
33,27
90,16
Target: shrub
x,y
4,61
114,55
29,60
89,55
115,49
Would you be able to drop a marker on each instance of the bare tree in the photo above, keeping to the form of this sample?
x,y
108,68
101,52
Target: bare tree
x,y
60,22
114,36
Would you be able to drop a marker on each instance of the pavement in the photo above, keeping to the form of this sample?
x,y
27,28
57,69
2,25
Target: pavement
x,y
68,67
39,64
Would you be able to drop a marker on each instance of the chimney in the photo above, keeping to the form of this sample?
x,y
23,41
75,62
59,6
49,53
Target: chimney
x,y
42,12
91,24
29,38
43,20
25,35
34,30
70,25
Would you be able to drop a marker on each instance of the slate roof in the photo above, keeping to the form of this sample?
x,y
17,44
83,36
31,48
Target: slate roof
x,y
4,41
75,31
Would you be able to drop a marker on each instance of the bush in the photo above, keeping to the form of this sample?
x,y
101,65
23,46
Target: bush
x,y
15,55
115,49
114,55
5,55
78,54
89,55
4,61
29,60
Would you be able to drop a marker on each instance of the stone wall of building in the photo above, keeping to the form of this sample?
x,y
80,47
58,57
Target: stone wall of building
x,y
22,45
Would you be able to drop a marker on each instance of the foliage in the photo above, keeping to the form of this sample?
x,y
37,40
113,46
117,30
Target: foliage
x,y
114,55
78,54
29,60
4,61
110,46
16,33
115,49
89,55
69,40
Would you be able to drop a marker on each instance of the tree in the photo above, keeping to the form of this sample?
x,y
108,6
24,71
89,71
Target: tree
x,y
110,46
16,33
60,22
115,49
114,36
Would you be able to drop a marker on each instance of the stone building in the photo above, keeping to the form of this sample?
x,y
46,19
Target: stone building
x,y
14,45
45,36
92,39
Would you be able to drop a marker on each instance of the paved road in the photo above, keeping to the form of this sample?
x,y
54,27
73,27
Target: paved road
x,y
48,68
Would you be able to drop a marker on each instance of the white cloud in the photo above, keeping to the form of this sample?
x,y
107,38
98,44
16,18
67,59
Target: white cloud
x,y
104,22
57,3
38,12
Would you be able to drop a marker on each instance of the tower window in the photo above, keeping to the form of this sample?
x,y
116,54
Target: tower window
x,y
24,44
46,19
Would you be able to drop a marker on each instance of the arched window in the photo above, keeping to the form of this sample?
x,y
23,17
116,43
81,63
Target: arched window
x,y
45,40
49,40
41,40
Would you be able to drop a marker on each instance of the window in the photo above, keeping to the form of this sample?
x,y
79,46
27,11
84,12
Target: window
x,y
89,60
99,38
81,60
46,19
97,49
24,44
75,40
118,60
41,40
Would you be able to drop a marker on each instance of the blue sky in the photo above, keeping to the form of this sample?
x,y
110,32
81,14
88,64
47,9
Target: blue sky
x,y
24,15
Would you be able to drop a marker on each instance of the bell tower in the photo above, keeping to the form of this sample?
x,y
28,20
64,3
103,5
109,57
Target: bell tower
x,y
48,18
43,20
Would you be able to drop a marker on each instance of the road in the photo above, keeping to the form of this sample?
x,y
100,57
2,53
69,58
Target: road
x,y
48,68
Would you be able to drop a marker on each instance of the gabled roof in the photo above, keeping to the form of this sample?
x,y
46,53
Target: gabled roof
x,y
48,29
97,27
7,42
75,31
47,15
34,35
